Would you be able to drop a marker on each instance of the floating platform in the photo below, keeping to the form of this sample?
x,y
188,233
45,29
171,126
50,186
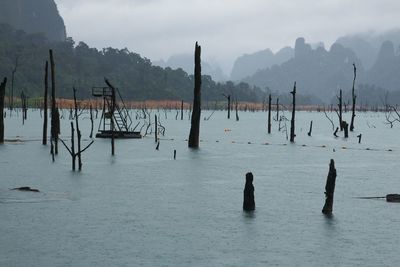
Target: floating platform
x,y
119,135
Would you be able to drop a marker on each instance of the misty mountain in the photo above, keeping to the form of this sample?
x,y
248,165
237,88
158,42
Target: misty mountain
x,y
85,67
317,71
367,45
186,62
385,72
249,64
34,17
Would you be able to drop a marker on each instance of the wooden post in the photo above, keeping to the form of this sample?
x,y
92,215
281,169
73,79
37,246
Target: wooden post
x,y
330,189
269,113
181,110
155,129
45,115
112,122
2,94
292,122
196,113
248,193
309,132
174,153
353,96
23,106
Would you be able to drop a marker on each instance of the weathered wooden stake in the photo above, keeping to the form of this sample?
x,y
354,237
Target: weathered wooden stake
x,y
45,115
309,132
330,189
353,96
269,112
196,114
292,122
248,193
174,153
2,94
158,145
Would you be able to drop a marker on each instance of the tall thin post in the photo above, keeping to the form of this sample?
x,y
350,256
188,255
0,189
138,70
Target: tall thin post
x,y
353,95
196,113
330,189
292,134
269,113
112,122
2,94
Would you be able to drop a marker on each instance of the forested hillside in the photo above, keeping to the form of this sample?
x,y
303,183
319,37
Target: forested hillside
x,y
85,67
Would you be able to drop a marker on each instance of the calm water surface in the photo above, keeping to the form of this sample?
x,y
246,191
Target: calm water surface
x,y
142,208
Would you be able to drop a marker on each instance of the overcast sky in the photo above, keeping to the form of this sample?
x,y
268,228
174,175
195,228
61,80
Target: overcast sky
x,y
225,29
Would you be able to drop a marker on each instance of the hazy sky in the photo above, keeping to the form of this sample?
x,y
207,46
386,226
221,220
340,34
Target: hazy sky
x,y
225,29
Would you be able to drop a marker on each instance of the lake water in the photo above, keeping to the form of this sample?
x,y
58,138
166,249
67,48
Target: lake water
x,y
143,208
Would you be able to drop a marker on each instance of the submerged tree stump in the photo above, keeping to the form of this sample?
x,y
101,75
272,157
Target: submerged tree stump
x,y
330,188
196,113
248,193
345,127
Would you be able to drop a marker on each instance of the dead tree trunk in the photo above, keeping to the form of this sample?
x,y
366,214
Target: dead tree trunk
x,y
182,110
248,193
228,97
55,116
277,109
91,121
345,127
340,106
23,107
269,113
12,84
292,124
2,94
155,129
330,189
236,110
78,131
353,96
45,116
196,113
309,132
